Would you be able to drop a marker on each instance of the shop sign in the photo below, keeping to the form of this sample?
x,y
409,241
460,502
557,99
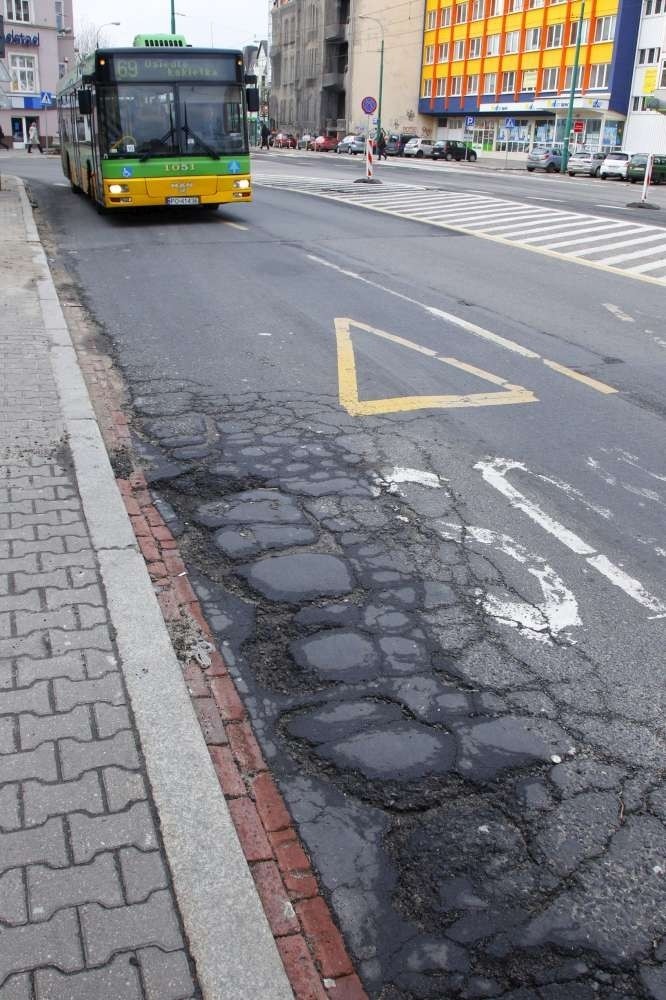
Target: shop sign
x,y
18,38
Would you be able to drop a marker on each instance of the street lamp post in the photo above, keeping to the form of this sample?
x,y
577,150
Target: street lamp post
x,y
366,17
107,24
572,90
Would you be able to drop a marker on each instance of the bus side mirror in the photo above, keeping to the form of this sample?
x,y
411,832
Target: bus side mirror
x,y
85,101
252,99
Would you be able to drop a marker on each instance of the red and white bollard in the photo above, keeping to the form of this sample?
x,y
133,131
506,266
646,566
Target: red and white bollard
x,y
368,158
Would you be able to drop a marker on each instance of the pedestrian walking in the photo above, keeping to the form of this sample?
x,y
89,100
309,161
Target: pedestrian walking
x,y
265,133
381,147
33,138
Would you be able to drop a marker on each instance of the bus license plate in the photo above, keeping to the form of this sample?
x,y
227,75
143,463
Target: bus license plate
x,y
184,200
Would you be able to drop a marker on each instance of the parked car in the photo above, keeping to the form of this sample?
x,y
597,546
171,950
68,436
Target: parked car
x,y
351,144
395,143
636,169
585,163
285,140
615,165
452,149
418,148
547,158
325,143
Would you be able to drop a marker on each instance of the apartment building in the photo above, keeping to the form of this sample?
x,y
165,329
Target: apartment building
x,y
646,129
39,49
309,65
499,72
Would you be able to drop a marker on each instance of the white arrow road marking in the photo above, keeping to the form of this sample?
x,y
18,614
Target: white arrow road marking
x,y
557,611
618,313
494,473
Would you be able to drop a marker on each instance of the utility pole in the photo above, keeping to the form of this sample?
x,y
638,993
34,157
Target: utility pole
x,y
173,17
572,91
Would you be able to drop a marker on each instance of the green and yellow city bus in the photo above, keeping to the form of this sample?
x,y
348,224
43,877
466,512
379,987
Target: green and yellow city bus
x,y
158,124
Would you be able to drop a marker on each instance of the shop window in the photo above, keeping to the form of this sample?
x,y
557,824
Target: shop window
x,y
550,78
18,10
490,83
23,72
554,36
605,29
474,48
599,76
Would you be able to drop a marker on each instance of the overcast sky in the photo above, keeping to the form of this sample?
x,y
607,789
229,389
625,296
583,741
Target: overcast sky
x,y
232,25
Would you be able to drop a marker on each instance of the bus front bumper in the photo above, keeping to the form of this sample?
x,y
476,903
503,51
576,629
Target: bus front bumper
x,y
161,191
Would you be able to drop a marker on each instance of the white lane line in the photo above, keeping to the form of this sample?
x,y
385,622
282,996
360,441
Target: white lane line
x,y
618,313
634,255
559,201
494,473
236,225
622,208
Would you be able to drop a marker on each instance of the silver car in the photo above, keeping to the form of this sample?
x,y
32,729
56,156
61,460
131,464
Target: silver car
x,y
585,163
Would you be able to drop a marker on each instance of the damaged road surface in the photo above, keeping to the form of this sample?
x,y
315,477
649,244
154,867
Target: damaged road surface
x,y
419,481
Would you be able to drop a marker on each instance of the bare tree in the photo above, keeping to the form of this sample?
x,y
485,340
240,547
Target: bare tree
x,y
88,37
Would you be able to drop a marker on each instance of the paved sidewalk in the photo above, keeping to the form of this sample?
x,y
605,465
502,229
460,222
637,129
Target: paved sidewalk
x,y
114,850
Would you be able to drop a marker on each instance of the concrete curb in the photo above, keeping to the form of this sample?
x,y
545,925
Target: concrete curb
x,y
228,933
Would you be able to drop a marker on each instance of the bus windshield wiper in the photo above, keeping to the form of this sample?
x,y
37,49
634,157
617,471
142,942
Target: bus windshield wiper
x,y
161,142
189,134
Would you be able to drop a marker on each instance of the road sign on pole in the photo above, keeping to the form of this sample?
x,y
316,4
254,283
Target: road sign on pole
x,y
369,105
579,126
47,99
469,121
509,122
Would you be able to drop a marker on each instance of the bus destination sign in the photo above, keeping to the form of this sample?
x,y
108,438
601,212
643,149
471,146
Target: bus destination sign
x,y
143,69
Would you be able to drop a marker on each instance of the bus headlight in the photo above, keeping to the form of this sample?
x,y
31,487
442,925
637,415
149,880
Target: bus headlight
x,y
244,183
118,188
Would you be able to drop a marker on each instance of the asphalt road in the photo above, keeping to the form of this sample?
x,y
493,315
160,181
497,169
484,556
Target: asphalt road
x,y
420,478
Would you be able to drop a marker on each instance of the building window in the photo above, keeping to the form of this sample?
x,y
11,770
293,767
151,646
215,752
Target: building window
x,y
23,71
459,49
474,48
62,69
532,39
655,7
472,84
529,80
599,76
477,10
531,4
509,82
648,56
515,5
427,88
492,45
445,17
429,56
461,13
456,86
442,52
490,83
605,29
18,10
568,77
431,20
59,15
496,8
663,75
441,87
512,41
573,34
550,78
554,36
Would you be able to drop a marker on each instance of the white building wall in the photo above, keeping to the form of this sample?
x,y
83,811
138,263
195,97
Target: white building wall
x,y
645,131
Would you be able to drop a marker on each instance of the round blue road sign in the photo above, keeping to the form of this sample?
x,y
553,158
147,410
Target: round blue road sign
x,y
369,105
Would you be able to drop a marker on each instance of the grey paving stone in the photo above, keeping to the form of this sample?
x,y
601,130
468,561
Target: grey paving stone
x,y
82,577
10,818
33,945
5,625
56,598
17,988
117,981
75,758
99,662
35,644
32,699
40,763
41,801
64,530
111,719
21,547
69,693
90,834
123,787
39,729
7,734
143,873
29,621
166,975
12,897
49,889
304,576
83,557
70,665
31,578
41,844
97,637
90,616
138,926
30,601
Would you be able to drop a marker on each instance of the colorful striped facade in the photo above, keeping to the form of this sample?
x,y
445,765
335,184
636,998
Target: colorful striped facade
x,y
505,68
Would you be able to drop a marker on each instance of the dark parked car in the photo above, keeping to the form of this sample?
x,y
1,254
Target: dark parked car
x,y
636,169
395,144
452,149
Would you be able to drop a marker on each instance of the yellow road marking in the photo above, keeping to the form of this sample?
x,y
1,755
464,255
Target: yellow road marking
x,y
236,225
348,382
585,379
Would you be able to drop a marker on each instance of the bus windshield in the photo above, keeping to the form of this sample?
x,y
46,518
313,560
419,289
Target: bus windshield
x,y
149,120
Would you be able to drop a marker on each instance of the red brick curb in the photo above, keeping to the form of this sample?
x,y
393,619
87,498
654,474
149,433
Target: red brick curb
x,y
310,944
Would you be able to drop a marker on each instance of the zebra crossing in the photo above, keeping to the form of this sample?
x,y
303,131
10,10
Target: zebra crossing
x,y
631,248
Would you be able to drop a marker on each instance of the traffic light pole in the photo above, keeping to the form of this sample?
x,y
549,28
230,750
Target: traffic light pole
x,y
572,92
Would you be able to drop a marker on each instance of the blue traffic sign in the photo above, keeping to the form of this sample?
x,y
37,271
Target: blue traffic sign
x,y
234,167
369,105
469,121
47,98
509,122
